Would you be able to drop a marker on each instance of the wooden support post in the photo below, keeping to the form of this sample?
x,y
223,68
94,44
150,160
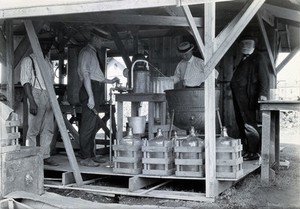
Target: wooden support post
x,y
137,182
10,90
55,106
67,178
210,104
265,149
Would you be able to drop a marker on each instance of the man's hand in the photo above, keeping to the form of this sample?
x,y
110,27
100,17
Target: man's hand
x,y
262,98
33,108
116,80
91,103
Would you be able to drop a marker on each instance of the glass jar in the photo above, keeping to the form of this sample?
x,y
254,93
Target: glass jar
x,y
129,140
224,141
159,141
192,141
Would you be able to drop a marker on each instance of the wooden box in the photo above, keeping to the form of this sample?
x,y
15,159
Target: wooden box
x,y
162,166
131,164
9,141
22,170
230,160
187,166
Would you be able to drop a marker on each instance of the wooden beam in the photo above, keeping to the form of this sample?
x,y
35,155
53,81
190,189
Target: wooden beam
x,y
284,13
48,8
10,90
227,37
193,2
195,31
51,93
210,104
175,11
24,48
267,42
267,17
136,183
120,46
287,59
125,19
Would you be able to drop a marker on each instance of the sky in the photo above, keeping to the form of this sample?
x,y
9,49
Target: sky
x,y
291,72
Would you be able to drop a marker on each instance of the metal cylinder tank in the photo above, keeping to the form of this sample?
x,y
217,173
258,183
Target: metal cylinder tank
x,y
188,106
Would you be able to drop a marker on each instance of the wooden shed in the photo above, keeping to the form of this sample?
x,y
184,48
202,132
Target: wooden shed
x,y
153,28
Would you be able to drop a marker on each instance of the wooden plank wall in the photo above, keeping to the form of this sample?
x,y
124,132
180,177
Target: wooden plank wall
x,y
163,55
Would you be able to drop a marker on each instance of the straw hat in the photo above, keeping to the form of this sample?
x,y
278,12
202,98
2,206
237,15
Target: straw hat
x,y
185,47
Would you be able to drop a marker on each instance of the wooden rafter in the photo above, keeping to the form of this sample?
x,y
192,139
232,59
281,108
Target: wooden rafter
x,y
267,42
24,48
120,46
177,12
283,13
45,72
127,19
267,16
194,29
58,7
227,37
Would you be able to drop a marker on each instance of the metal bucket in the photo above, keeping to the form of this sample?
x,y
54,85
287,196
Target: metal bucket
x,y
188,106
138,124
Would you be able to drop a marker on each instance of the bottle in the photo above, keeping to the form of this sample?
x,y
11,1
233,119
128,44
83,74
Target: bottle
x,y
159,141
224,141
192,141
129,140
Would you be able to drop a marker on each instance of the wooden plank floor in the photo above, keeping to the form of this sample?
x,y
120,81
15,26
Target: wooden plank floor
x,y
105,170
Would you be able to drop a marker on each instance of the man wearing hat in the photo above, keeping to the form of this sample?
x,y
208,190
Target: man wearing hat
x,y
190,70
90,95
249,83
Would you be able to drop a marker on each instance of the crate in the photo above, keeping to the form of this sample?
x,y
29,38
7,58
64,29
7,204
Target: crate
x,y
9,141
229,160
187,166
22,170
162,165
130,164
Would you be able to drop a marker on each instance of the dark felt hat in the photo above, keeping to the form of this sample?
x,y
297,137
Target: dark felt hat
x,y
185,47
247,37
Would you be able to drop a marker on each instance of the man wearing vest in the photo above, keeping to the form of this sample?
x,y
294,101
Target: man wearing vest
x,y
90,95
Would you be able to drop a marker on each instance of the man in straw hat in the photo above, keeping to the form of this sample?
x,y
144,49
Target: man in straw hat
x,y
190,70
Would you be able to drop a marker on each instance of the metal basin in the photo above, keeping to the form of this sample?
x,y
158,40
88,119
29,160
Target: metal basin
x,y
188,106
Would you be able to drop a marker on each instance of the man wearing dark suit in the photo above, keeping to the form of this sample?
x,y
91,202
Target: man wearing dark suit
x,y
249,84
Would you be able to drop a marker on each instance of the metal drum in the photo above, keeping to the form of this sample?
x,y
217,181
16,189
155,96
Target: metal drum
x,y
188,106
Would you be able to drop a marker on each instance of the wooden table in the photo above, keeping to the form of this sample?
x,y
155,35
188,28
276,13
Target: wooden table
x,y
135,99
271,136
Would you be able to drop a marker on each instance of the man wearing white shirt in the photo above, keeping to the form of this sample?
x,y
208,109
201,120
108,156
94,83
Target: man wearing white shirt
x,y
190,70
41,117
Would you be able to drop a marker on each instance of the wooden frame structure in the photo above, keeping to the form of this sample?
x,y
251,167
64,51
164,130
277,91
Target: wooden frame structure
x,y
211,47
